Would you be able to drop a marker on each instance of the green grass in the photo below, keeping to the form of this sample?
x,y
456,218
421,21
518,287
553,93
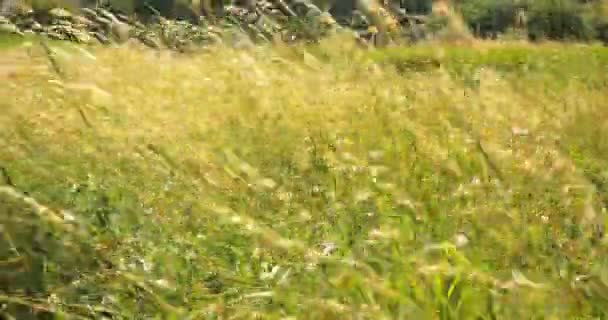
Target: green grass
x,y
12,41
8,41
205,186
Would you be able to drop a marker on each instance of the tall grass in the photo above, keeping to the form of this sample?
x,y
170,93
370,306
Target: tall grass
x,y
312,182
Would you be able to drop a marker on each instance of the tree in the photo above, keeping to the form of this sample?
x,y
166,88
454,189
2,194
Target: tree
x,y
489,17
558,20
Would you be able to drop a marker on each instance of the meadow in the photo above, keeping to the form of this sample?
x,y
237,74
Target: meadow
x,y
325,181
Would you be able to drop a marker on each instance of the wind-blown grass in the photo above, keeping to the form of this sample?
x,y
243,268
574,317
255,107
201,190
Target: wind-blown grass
x,y
8,41
320,182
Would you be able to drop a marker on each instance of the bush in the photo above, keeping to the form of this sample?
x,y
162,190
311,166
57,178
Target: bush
x,y
599,20
436,23
558,20
489,17
601,30
417,6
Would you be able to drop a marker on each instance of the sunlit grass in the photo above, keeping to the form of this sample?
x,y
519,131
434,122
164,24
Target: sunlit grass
x,y
10,40
315,182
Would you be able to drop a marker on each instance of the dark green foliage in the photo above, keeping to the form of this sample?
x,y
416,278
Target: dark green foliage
x,y
599,20
489,17
154,7
601,29
544,19
436,23
558,20
343,9
417,6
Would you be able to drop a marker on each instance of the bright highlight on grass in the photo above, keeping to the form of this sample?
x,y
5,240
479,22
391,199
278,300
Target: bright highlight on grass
x,y
307,182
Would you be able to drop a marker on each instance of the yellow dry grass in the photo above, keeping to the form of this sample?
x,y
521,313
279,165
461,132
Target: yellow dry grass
x,y
244,163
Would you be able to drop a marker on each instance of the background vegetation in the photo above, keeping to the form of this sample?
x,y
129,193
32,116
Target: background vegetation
x,y
580,20
542,19
311,182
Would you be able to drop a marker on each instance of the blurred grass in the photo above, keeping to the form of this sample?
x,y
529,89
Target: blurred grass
x,y
14,41
317,182
8,41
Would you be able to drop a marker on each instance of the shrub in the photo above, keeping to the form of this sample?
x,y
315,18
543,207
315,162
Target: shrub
x,y
558,20
417,6
489,17
599,20
601,29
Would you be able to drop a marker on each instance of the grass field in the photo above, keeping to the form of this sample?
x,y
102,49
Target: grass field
x,y
9,41
320,182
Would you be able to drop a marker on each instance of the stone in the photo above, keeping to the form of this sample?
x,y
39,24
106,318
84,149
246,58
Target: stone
x,y
36,27
120,31
10,29
60,13
81,20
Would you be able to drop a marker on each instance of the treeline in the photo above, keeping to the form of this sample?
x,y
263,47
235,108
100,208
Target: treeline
x,y
550,19
535,19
